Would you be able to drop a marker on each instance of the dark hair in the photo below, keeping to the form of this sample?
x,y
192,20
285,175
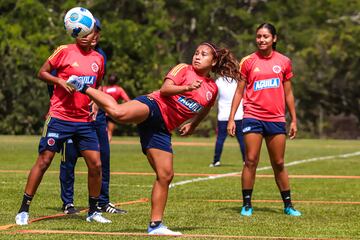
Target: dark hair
x,y
226,65
112,80
271,29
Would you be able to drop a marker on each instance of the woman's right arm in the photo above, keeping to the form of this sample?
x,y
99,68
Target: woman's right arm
x,y
45,75
169,88
234,106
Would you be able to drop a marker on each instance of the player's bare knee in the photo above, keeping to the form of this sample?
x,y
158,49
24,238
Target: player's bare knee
x,y
279,165
166,177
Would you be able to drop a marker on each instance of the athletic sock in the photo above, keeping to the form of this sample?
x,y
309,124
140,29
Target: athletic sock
x,y
247,197
25,203
154,224
286,197
93,204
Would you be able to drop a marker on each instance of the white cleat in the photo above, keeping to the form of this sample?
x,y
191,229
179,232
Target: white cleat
x,y
217,164
22,218
162,230
97,217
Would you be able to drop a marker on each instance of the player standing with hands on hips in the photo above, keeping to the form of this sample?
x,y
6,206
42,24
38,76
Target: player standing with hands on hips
x,y
188,92
266,76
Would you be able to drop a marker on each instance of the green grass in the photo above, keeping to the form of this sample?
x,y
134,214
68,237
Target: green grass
x,y
188,209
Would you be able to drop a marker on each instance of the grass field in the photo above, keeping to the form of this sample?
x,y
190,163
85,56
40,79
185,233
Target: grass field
x,y
325,188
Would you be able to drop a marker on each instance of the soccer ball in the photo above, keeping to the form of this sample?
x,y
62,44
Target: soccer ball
x,y
78,22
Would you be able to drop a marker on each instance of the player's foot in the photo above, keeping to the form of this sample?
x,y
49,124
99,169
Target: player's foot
x,y
215,164
22,218
97,217
162,230
69,209
110,208
246,211
292,211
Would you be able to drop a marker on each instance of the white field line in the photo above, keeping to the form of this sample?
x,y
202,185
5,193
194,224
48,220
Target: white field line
x,y
346,155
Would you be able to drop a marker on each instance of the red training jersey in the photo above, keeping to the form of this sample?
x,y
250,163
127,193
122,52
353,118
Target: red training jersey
x,y
178,108
116,92
71,60
264,98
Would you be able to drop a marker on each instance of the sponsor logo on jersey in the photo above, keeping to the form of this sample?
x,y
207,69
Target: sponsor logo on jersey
x,y
75,64
208,95
89,80
52,134
267,83
191,104
95,67
246,129
257,69
276,69
51,142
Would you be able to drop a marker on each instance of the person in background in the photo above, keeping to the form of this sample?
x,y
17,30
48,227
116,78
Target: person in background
x,y
188,93
70,154
227,88
266,75
68,117
117,93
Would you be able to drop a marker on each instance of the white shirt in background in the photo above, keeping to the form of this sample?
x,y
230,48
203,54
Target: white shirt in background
x,y
227,88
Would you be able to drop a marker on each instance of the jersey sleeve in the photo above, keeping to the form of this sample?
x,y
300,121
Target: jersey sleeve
x,y
177,74
244,67
288,73
123,94
57,57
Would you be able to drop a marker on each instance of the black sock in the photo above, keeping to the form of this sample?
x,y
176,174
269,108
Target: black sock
x,y
247,197
93,204
25,203
154,224
286,197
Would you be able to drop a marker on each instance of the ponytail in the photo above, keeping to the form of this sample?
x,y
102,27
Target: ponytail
x,y
226,65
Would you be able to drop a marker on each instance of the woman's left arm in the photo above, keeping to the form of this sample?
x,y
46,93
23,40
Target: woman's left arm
x,y
290,103
188,128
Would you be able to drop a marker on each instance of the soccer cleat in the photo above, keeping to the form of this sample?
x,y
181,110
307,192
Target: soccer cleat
x,y
97,217
162,230
216,164
69,209
292,211
110,208
246,211
22,218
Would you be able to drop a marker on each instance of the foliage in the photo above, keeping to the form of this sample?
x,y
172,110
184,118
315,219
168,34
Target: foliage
x,y
144,39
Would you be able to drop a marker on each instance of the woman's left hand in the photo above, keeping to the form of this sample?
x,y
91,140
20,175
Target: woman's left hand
x,y
293,130
186,129
94,110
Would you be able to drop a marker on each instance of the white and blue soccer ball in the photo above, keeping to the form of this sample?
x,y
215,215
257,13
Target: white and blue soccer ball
x,y
78,22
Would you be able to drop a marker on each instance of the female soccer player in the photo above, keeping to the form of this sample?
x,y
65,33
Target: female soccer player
x,y
69,117
266,75
188,92
117,93
227,88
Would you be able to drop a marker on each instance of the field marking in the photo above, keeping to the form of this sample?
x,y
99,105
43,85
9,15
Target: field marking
x,y
166,236
201,174
346,155
203,144
5,227
280,201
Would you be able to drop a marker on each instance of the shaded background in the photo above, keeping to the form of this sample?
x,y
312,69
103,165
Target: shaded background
x,y
144,39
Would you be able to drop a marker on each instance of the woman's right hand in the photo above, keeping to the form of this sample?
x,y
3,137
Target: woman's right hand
x,y
231,127
194,85
67,87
